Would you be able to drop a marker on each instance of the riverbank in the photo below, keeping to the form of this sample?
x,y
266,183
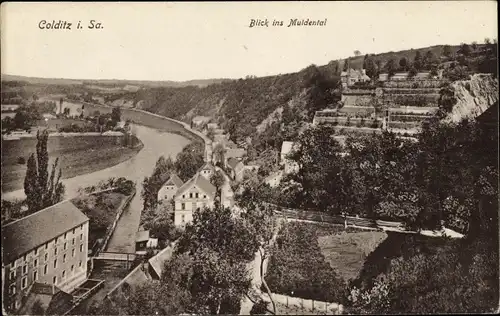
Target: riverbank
x,y
78,155
18,136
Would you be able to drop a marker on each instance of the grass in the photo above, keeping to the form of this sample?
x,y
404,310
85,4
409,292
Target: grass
x,y
77,155
346,252
101,210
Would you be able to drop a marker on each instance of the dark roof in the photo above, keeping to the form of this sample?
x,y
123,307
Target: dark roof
x,y
27,233
490,116
175,180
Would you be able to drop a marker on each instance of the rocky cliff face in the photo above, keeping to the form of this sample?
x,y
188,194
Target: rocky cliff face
x,y
474,96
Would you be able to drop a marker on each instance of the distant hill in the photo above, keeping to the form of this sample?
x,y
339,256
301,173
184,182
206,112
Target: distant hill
x,y
111,82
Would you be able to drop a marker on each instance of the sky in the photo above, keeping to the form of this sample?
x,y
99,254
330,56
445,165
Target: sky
x,y
184,41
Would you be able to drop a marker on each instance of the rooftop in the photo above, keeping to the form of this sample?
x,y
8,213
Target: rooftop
x,y
27,233
174,180
142,235
199,181
159,260
286,147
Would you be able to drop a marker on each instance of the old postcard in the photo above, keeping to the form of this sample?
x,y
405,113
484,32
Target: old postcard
x,y
244,158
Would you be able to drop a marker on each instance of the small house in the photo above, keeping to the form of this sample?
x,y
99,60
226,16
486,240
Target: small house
x,y
141,241
352,76
169,188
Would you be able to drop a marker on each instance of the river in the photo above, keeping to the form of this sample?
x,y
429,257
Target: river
x,y
156,143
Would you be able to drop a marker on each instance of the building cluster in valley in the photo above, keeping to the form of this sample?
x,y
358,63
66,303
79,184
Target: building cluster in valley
x,y
45,259
399,103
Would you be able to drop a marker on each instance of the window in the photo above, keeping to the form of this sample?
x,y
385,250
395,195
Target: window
x,y
80,264
81,227
183,196
55,251
35,276
81,237
73,252
35,263
183,206
12,289
46,245
45,270
73,241
25,269
73,231
64,274
54,279
36,251
197,195
183,217
64,258
190,195
72,268
12,275
65,234
24,283
57,238
204,196
64,248
55,263
81,248
24,258
46,257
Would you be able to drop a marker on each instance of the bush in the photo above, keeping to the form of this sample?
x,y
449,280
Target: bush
x,y
21,160
259,308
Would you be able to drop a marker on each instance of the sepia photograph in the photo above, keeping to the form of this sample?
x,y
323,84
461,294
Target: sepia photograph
x,y
249,158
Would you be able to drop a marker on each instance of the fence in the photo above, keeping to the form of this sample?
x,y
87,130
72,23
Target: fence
x,y
290,305
111,229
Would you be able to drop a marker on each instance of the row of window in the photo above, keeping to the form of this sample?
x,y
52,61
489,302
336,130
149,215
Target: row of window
x,y
24,280
196,196
35,262
25,257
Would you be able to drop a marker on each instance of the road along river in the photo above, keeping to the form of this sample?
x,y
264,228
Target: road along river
x,y
157,141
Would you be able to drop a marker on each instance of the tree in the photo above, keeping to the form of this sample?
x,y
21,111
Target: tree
x,y
41,190
151,185
412,72
345,67
219,245
318,156
219,154
391,67
211,134
116,115
371,68
447,51
428,60
417,62
189,160
357,53
464,49
218,180
403,64
264,225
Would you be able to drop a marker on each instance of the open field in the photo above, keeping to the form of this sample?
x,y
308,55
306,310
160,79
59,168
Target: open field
x,y
346,252
77,155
